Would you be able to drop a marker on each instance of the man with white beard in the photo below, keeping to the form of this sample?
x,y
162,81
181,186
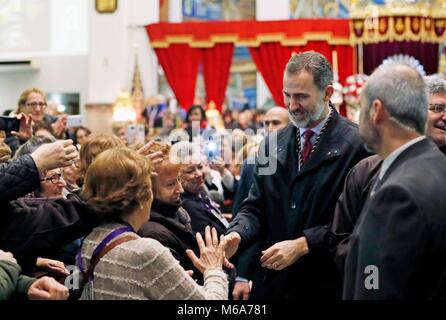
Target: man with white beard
x,y
291,207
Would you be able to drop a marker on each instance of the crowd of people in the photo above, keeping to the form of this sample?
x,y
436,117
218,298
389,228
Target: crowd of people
x,y
303,205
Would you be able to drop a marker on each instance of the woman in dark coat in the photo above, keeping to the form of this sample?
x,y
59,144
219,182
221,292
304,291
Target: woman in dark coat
x,y
169,222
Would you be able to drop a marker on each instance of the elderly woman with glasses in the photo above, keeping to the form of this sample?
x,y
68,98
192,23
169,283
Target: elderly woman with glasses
x,y
195,199
32,102
116,262
52,185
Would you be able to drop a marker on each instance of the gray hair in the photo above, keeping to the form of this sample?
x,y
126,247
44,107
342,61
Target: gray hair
x,y
32,144
314,63
435,84
403,93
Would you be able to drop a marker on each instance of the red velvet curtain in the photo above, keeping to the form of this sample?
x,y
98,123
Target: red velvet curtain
x,y
319,46
180,65
180,62
425,52
216,68
346,61
271,59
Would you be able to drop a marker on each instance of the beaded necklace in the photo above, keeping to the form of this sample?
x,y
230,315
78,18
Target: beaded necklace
x,y
318,138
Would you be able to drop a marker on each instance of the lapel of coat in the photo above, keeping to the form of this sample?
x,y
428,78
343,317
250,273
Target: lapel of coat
x,y
274,152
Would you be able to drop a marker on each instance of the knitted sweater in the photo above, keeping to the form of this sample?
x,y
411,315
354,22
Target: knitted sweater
x,y
145,269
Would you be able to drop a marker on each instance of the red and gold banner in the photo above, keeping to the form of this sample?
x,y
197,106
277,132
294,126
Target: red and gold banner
x,y
270,44
250,33
420,21
398,28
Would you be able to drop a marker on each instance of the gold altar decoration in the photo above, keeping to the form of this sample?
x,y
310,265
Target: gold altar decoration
x,y
123,108
137,92
423,21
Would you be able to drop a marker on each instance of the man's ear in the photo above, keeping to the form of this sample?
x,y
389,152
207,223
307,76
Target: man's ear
x,y
328,92
378,112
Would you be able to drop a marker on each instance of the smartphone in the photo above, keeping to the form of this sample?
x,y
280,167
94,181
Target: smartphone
x,y
135,134
9,124
75,121
212,151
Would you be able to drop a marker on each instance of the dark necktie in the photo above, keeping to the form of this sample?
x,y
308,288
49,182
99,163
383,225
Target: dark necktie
x,y
308,146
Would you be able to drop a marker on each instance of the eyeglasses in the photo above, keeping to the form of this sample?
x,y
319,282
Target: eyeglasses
x,y
55,178
437,108
34,105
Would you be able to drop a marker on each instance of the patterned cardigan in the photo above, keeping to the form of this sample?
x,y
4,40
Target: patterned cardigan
x,y
145,269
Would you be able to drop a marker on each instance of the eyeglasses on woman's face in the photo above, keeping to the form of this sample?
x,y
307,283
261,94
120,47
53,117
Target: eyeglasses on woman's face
x,y
54,179
35,104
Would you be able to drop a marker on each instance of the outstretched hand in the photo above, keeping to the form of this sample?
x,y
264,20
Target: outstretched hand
x,y
25,130
283,254
233,241
54,155
212,251
155,157
59,126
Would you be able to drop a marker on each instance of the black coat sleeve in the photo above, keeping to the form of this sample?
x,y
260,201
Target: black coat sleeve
x,y
250,220
39,227
318,236
17,178
243,187
248,260
356,190
13,143
346,213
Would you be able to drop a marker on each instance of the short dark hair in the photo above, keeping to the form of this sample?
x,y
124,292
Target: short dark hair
x,y
203,114
314,63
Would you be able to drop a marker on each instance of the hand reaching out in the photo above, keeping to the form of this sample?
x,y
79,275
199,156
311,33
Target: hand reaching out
x,y
233,241
156,157
54,155
212,251
59,126
283,254
25,130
